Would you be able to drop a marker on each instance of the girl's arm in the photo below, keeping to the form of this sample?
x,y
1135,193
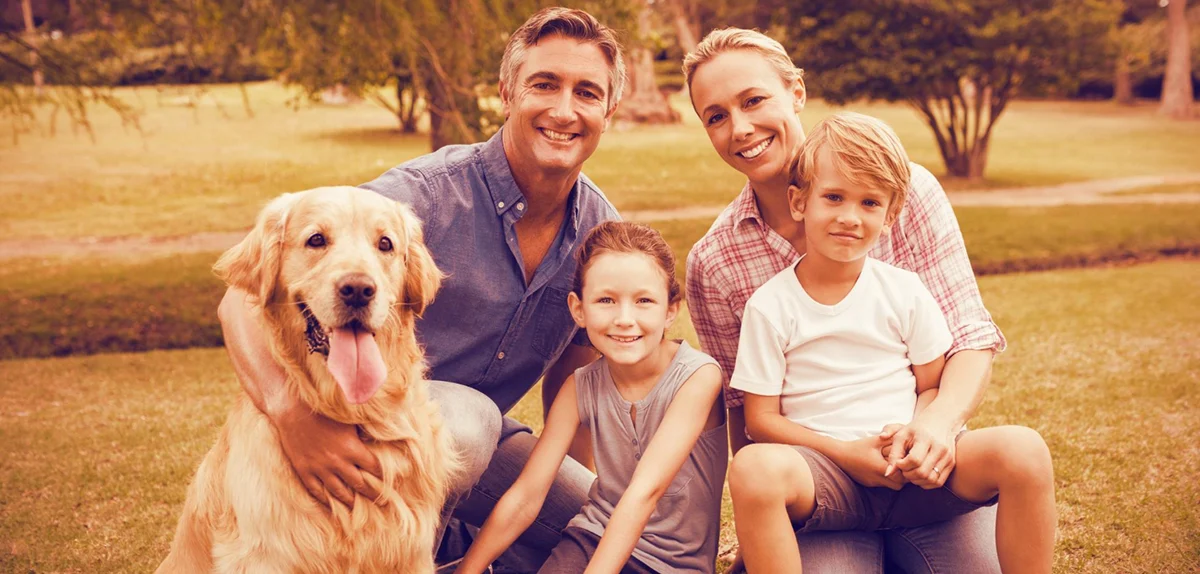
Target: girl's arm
x,y
668,450
519,506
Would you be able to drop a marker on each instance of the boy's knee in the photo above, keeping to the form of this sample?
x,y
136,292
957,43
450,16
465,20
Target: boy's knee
x,y
758,471
473,422
1026,455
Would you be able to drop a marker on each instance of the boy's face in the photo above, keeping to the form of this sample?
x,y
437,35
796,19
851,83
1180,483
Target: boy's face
x,y
842,219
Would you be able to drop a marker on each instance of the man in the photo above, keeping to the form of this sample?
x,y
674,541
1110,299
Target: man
x,y
502,219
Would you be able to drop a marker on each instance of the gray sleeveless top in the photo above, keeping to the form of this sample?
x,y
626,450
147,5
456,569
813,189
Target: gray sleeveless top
x,y
683,530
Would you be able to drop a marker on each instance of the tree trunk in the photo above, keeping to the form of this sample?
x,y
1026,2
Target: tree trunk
x,y
1123,81
38,76
687,30
1177,84
406,100
643,102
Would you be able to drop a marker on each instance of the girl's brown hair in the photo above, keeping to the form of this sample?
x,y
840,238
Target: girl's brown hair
x,y
626,237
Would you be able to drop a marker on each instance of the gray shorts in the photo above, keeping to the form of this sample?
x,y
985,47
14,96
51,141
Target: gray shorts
x,y
576,549
843,504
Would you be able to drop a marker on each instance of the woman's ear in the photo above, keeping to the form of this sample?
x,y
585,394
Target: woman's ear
x,y
576,307
800,92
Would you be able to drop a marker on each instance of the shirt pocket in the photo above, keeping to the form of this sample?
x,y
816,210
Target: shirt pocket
x,y
553,324
682,479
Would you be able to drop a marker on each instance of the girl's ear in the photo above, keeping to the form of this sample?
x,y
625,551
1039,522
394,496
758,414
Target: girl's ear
x,y
576,307
672,314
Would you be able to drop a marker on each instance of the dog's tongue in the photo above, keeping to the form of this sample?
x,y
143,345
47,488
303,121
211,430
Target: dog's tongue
x,y
355,363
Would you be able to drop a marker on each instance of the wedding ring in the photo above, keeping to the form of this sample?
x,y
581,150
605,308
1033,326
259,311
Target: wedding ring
x,y
937,470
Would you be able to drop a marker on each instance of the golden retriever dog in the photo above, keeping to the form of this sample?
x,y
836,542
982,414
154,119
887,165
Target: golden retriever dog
x,y
339,275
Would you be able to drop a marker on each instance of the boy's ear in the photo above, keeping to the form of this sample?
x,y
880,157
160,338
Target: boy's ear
x,y
795,205
576,307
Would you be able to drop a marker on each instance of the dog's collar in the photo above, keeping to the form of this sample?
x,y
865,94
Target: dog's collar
x,y
318,341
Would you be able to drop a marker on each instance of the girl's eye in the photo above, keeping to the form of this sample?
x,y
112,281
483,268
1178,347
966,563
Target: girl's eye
x,y
385,244
646,300
604,300
316,240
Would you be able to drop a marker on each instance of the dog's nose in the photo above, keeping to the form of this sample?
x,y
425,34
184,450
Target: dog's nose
x,y
356,290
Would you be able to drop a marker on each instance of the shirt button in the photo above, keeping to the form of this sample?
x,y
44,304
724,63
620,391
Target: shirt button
x,y
520,206
500,205
635,441
638,456
500,355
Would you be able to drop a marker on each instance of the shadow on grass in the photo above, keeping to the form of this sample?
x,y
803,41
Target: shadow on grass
x,y
374,136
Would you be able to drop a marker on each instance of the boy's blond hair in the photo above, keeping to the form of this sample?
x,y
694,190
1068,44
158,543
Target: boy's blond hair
x,y
727,39
865,150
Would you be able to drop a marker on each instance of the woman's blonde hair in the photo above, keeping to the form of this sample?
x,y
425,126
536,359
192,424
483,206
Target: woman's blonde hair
x,y
865,150
727,39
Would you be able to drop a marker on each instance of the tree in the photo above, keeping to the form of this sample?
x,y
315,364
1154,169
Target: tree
x,y
1177,94
643,101
957,62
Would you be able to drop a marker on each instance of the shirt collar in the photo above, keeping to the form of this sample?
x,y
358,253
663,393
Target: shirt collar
x,y
506,194
745,208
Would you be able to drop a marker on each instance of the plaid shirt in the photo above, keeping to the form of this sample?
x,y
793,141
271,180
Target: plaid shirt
x,y
740,252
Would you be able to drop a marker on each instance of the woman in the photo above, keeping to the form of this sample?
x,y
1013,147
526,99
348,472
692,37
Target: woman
x,y
748,94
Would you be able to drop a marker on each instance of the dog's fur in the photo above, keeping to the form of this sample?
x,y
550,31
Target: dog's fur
x,y
246,510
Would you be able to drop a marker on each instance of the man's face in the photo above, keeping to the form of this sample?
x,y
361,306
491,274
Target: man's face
x,y
559,106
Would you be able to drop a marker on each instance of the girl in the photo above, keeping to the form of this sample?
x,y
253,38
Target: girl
x,y
748,94
657,430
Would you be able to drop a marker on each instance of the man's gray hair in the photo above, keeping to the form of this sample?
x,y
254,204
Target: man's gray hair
x,y
570,23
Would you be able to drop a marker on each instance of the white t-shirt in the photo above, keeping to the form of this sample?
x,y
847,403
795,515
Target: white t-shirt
x,y
841,370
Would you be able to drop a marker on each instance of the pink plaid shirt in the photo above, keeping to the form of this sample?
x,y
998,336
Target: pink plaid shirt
x,y
740,252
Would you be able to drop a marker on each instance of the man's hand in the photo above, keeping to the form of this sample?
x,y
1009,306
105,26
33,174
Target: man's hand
x,y
923,451
863,460
328,456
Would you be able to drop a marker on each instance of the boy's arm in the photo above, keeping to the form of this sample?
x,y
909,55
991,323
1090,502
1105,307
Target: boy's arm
x,y
928,377
718,330
326,455
668,450
519,506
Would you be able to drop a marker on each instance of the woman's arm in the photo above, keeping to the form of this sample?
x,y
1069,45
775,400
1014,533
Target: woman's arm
x,y
519,506
668,450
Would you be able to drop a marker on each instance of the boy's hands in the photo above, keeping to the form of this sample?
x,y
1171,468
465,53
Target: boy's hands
x,y
863,460
920,452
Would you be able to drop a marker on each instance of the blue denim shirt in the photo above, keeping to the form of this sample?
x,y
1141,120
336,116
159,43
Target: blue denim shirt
x,y
487,329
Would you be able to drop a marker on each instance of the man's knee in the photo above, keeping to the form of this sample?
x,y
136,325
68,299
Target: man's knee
x,y
473,421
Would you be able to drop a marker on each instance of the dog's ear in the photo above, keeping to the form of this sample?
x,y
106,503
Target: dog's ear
x,y
253,264
421,275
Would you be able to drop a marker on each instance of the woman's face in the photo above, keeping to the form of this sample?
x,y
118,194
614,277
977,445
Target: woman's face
x,y
749,114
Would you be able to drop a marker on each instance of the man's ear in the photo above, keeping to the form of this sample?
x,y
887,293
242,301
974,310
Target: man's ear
x,y
576,307
505,99
253,265
795,204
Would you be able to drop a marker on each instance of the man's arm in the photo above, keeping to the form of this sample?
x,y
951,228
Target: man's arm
x,y
326,455
574,357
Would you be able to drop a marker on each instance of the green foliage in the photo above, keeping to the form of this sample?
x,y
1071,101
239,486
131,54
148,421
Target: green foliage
x,y
958,62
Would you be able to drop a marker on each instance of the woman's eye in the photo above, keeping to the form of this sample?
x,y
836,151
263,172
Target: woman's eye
x,y
385,244
316,240
715,118
754,101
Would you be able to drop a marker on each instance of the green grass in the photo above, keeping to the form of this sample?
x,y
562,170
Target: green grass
x,y
70,305
210,168
95,452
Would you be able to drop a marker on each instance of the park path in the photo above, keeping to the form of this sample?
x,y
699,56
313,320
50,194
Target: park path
x,y
1080,193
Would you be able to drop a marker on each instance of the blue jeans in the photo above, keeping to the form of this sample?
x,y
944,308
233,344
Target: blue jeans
x,y
495,449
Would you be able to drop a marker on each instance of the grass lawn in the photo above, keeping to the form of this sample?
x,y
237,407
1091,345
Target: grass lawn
x,y
97,450
210,167
59,306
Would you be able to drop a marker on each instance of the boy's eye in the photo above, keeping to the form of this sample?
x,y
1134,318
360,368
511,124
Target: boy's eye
x,y
871,203
834,197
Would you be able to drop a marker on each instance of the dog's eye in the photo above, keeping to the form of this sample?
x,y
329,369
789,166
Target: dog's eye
x,y
385,244
317,240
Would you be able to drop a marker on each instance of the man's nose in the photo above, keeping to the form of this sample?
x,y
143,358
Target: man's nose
x,y
563,110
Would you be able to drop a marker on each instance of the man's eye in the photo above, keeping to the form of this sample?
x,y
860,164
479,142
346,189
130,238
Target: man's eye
x,y
544,85
316,240
588,95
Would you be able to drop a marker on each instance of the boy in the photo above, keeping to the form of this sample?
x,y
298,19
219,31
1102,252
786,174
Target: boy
x,y
837,353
